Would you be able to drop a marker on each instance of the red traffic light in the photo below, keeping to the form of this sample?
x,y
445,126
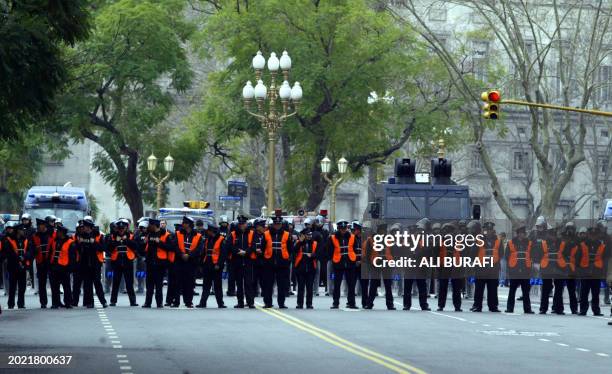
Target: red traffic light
x,y
494,96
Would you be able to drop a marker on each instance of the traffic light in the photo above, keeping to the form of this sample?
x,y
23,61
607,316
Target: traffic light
x,y
491,108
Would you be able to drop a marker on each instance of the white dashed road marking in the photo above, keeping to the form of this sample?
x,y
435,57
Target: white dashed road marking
x,y
122,359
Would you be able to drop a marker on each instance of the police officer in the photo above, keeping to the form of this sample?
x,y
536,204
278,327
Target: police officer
x,y
15,247
241,245
41,243
417,274
174,286
91,256
158,245
454,273
139,238
357,230
566,264
344,258
305,265
224,230
488,277
62,257
518,257
277,250
190,244
590,258
259,226
214,256
376,273
122,249
547,254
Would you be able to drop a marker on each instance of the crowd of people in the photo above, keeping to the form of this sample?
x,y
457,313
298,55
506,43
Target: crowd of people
x,y
261,253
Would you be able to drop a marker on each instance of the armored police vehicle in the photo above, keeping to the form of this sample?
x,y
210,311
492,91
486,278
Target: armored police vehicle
x,y
405,198
68,203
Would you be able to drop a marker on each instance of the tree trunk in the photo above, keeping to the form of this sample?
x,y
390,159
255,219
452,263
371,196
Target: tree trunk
x,y
131,191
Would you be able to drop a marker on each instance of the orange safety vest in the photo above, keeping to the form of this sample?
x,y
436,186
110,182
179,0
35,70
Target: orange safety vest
x,y
561,259
180,238
299,256
482,252
595,258
215,251
544,262
249,242
513,259
100,254
272,246
131,254
63,257
348,250
42,250
17,250
162,254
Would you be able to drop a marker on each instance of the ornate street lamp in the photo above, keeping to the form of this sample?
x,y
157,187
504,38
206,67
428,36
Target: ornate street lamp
x,y
334,182
271,117
159,181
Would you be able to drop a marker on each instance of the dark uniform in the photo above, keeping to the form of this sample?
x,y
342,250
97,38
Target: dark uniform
x,y
566,263
241,245
277,250
453,273
591,258
91,256
258,261
344,257
488,277
305,266
376,273
364,281
62,258
214,256
518,257
16,250
547,254
189,244
158,245
122,249
40,244
417,274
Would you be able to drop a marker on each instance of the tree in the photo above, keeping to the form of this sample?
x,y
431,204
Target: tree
x,y
554,51
123,81
32,33
342,51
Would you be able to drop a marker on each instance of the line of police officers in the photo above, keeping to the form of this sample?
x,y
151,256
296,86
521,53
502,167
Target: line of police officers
x,y
261,255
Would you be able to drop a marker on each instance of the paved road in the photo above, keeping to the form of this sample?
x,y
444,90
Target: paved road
x,y
135,340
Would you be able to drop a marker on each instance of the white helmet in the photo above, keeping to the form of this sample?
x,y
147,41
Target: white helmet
x,y
541,221
26,216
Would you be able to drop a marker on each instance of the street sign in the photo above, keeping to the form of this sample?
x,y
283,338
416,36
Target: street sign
x,y
237,188
230,202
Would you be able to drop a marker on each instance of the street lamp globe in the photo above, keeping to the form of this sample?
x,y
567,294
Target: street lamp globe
x,y
296,92
285,61
273,62
342,164
285,91
168,164
325,165
259,61
151,162
248,92
260,90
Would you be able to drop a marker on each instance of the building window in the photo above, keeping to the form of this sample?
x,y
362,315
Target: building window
x,y
476,161
521,131
604,80
604,133
50,161
437,13
521,160
480,48
603,164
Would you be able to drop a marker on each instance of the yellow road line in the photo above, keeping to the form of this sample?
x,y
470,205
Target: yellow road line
x,y
388,362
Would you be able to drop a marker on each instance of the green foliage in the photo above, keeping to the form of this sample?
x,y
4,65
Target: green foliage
x,y
123,82
31,69
342,51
